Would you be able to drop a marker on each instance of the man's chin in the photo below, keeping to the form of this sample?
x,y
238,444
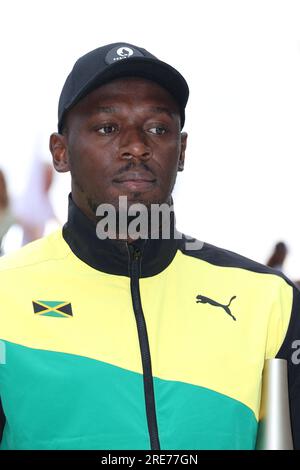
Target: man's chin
x,y
126,201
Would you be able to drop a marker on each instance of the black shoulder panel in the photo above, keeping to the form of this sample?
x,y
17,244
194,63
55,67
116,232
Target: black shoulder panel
x,y
221,257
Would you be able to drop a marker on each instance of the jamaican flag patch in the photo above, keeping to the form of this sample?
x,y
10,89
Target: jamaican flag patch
x,y
52,308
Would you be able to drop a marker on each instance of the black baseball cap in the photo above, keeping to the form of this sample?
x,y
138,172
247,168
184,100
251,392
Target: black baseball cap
x,y
119,60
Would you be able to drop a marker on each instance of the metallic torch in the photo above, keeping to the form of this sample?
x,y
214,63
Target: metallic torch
x,y
274,429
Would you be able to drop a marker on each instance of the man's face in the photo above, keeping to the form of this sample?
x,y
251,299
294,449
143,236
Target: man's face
x,y
123,139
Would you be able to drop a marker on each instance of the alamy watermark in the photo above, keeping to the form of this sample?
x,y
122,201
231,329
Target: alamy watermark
x,y
139,221
296,354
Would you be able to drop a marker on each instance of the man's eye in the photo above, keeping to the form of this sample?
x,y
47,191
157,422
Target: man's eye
x,y
108,129
159,130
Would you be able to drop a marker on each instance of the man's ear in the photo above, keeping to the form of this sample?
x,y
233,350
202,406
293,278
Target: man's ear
x,y
182,151
59,151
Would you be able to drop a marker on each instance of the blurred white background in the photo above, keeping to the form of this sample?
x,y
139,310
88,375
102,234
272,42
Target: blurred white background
x,y
240,188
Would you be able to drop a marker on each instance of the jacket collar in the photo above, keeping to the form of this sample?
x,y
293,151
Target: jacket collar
x,y
112,256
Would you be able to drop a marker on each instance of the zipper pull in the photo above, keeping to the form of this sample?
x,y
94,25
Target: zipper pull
x,y
136,254
135,258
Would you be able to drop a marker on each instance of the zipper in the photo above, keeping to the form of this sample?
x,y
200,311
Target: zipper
x,y
135,271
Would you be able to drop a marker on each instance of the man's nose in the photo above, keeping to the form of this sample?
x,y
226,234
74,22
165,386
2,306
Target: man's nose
x,y
134,145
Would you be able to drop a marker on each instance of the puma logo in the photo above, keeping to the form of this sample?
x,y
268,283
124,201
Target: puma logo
x,y
205,300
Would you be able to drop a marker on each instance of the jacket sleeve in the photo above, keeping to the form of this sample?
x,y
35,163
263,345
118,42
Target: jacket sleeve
x,y
290,350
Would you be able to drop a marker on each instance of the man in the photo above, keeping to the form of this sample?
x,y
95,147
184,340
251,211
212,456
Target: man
x,y
131,342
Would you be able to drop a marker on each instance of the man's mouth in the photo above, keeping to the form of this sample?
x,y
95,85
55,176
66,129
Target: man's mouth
x,y
135,181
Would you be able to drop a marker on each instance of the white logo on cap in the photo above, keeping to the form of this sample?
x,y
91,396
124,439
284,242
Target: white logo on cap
x,y
124,52
118,53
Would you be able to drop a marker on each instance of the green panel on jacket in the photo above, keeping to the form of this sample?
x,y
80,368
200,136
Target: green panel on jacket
x,y
92,405
95,405
192,417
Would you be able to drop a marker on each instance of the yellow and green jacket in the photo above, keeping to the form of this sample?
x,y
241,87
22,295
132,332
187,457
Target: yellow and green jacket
x,y
149,345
